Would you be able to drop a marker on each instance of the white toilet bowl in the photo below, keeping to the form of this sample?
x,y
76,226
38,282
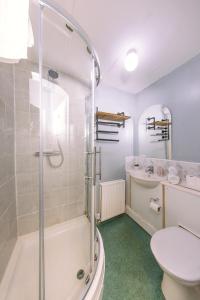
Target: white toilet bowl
x,y
177,251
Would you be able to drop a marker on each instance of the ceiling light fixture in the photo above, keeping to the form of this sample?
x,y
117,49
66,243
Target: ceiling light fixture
x,y
131,60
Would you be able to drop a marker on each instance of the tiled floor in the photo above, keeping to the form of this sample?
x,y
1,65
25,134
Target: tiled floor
x,y
131,270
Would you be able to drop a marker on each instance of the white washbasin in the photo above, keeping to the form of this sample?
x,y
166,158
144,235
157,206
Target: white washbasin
x,y
148,181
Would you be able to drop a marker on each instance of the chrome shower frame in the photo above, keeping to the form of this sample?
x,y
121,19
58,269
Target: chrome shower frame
x,y
71,22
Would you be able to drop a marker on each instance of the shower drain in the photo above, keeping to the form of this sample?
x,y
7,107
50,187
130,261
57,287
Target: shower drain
x,y
80,274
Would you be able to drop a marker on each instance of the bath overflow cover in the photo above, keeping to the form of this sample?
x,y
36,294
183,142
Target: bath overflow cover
x,y
80,274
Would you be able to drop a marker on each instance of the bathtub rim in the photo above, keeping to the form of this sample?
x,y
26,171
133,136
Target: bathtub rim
x,y
95,290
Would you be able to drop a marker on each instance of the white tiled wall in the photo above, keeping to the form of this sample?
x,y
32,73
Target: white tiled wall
x,y
8,220
64,186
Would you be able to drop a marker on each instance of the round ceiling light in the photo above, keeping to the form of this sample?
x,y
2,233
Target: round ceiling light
x,y
131,60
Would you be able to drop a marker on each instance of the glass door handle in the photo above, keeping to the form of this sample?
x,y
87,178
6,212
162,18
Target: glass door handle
x,y
95,162
95,167
100,154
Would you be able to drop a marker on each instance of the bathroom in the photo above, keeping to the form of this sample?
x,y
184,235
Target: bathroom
x,y
100,150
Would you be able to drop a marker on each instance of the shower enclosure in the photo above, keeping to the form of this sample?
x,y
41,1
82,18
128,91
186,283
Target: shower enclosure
x,y
57,252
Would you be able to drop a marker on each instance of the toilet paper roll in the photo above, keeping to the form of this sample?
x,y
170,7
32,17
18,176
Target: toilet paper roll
x,y
155,207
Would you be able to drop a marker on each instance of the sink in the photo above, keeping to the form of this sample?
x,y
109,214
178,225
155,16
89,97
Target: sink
x,y
148,181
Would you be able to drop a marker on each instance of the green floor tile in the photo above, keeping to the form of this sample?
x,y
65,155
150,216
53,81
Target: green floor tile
x,y
131,270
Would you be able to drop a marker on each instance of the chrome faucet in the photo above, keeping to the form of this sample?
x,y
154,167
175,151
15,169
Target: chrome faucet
x,y
149,169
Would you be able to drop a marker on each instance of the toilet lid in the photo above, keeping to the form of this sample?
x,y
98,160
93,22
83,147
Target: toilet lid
x,y
178,253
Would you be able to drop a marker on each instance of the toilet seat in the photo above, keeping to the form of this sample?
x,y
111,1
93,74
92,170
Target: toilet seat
x,y
178,253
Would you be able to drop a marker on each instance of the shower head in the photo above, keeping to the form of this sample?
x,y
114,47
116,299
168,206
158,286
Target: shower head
x,y
52,74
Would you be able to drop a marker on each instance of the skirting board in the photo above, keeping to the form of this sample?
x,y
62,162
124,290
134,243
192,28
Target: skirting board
x,y
138,219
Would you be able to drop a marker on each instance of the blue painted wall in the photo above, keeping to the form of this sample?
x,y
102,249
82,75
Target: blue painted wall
x,y
180,91
113,153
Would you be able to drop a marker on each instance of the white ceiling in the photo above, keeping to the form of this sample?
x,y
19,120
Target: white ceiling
x,y
166,34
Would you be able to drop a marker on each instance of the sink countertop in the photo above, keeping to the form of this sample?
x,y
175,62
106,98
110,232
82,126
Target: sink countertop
x,y
141,175
146,180
148,177
182,187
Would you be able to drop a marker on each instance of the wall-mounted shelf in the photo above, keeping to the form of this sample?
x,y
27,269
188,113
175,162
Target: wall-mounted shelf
x,y
120,117
107,132
107,140
114,124
109,119
162,125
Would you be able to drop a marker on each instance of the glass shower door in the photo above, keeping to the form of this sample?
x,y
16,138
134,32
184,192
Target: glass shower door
x,y
67,223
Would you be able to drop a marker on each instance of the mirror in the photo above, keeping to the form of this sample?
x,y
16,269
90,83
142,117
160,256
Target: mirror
x,y
154,132
179,91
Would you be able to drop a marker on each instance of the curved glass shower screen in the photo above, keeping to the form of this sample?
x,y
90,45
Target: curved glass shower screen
x,y
67,224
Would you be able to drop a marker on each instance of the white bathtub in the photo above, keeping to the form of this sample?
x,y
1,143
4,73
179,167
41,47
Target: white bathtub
x,y
67,250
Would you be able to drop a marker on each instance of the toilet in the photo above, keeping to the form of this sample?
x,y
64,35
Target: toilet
x,y
177,251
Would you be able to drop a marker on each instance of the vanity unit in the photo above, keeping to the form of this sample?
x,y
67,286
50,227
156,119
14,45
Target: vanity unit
x,y
154,203
145,200
182,207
